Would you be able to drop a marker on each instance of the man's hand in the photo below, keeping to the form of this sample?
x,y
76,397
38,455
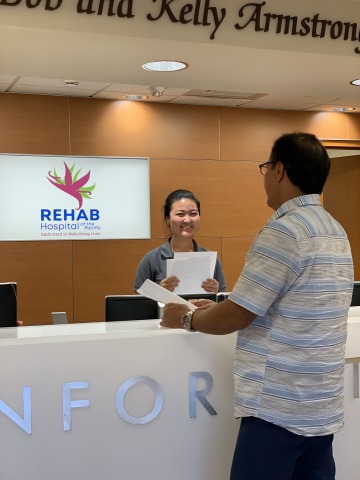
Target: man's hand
x,y
172,315
214,318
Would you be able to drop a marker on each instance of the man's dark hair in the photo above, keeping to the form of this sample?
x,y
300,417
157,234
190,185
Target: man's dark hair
x,y
305,160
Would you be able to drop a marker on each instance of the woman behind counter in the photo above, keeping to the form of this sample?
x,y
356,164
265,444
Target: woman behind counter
x,y
182,216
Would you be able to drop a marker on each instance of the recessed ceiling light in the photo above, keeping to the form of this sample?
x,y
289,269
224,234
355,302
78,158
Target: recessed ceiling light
x,y
164,66
135,97
343,109
356,82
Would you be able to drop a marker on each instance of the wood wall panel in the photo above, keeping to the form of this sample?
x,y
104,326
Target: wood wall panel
x,y
233,257
113,128
43,272
327,124
354,127
249,134
345,204
213,151
34,124
231,194
104,267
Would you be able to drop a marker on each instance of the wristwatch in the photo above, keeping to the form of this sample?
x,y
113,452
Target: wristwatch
x,y
186,321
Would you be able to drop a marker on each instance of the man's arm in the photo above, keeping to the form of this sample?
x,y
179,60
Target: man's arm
x,y
217,318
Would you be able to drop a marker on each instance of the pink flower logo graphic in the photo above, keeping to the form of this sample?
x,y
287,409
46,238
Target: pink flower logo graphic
x,y
72,184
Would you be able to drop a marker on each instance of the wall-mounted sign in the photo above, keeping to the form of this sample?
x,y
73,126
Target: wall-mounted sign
x,y
73,198
259,17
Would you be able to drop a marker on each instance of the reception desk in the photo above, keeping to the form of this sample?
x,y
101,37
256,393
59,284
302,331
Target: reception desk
x,y
117,400
347,441
130,401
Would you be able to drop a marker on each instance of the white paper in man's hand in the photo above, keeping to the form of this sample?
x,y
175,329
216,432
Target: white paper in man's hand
x,y
160,294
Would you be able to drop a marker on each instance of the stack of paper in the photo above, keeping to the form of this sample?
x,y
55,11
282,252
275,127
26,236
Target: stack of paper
x,y
191,268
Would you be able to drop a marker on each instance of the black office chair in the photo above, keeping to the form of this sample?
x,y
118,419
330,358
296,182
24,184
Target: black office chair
x,y
221,296
130,307
8,304
196,296
355,301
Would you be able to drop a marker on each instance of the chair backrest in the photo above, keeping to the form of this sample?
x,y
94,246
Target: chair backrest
x,y
130,307
221,296
59,318
8,304
355,301
194,296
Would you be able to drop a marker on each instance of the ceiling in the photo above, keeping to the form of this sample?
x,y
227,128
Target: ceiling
x,y
106,66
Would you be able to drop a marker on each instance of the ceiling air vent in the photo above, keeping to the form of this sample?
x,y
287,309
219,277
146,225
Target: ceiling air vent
x,y
220,94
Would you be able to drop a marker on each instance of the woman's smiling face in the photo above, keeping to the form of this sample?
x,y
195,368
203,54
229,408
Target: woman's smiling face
x,y
184,219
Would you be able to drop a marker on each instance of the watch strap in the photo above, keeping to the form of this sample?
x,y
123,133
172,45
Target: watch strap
x,y
186,321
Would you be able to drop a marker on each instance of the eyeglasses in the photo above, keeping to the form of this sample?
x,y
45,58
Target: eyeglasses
x,y
263,167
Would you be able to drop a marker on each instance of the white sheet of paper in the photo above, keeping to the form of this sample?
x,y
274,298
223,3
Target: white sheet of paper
x,y
212,255
192,268
152,290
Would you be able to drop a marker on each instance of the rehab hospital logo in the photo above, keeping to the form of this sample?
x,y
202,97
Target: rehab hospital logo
x,y
72,184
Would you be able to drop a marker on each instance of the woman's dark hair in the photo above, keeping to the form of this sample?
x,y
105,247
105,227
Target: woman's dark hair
x,y
178,195
305,160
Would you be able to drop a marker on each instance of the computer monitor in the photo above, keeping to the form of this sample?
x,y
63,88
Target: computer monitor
x,y
130,307
355,301
8,304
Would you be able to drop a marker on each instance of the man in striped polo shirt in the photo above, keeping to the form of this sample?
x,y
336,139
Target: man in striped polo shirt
x,y
290,307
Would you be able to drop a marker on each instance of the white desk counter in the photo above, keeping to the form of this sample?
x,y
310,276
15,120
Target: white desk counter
x,y
131,401
347,441
352,351
117,400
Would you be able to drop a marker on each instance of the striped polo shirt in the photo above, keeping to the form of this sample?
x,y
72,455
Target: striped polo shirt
x,y
298,280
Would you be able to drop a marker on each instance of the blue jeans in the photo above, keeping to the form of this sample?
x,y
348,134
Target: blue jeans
x,y
265,451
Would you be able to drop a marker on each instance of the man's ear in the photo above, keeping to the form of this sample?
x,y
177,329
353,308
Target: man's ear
x,y
280,171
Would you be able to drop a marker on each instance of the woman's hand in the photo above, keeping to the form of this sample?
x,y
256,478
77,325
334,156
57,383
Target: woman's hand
x,y
210,285
170,283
